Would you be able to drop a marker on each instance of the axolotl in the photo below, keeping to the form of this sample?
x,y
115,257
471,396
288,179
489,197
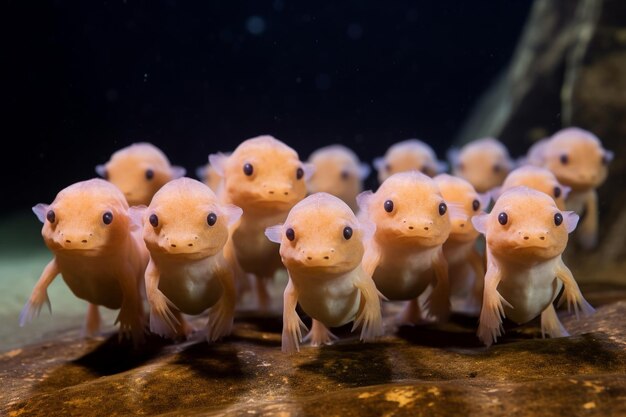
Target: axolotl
x,y
139,170
408,155
185,230
537,178
265,177
526,235
578,160
98,251
405,255
466,268
338,171
321,245
485,163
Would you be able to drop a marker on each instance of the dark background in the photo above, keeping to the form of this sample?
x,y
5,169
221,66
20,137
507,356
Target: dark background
x,y
84,79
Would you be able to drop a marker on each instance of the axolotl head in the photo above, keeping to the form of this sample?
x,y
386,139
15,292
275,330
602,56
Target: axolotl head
x,y
485,163
460,193
321,236
185,219
339,172
526,225
409,155
263,174
87,218
537,178
139,170
577,158
408,208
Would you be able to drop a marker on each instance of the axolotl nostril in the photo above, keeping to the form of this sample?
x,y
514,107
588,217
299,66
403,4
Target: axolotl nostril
x,y
405,255
264,177
185,230
526,234
97,250
321,245
139,170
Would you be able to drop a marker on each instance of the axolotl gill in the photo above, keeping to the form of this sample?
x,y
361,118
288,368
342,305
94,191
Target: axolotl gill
x,y
97,250
321,245
526,234
265,177
185,230
139,170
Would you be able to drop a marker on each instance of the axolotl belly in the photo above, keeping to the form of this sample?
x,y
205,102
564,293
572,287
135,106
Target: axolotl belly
x,y
334,302
404,278
529,290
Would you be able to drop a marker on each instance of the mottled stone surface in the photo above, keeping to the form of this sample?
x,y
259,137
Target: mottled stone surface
x,y
428,370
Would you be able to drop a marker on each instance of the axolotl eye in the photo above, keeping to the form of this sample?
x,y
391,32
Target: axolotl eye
x,y
107,217
149,174
347,232
154,220
388,205
345,174
475,205
564,159
211,219
503,218
51,216
558,219
442,209
299,173
248,169
291,235
557,192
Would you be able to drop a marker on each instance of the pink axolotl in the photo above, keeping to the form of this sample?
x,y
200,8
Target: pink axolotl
x,y
405,255
264,177
97,250
578,160
321,245
185,230
537,178
466,268
485,163
139,170
338,171
408,155
526,234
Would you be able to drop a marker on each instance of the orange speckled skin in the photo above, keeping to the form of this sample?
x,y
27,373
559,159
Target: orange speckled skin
x,y
100,263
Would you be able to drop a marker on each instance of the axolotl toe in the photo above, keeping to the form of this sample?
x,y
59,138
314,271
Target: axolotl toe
x,y
139,170
321,245
185,230
526,234
97,250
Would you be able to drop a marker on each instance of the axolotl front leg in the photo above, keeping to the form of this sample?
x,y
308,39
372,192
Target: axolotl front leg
x,y
39,296
369,315
571,291
438,304
222,314
292,324
131,317
492,312
165,319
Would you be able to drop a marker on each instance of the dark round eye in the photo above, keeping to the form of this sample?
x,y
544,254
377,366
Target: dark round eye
x,y
503,218
345,175
557,192
299,173
442,209
247,169
51,216
107,217
497,168
154,220
347,232
388,206
211,219
558,219
149,174
475,205
564,159
291,235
